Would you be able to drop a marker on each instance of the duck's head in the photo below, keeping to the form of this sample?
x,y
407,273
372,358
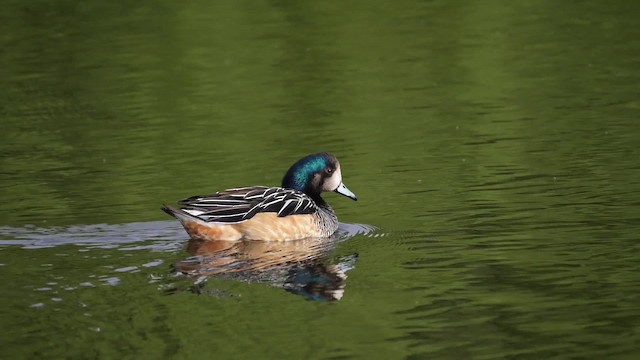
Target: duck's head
x,y
316,173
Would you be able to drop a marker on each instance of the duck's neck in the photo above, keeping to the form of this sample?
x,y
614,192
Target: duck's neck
x,y
317,199
287,183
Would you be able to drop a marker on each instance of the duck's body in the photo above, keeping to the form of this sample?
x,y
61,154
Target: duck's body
x,y
293,211
255,213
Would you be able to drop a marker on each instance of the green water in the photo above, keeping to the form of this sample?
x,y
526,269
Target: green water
x,y
494,146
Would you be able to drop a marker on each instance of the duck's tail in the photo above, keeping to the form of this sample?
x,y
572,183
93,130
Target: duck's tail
x,y
201,230
180,214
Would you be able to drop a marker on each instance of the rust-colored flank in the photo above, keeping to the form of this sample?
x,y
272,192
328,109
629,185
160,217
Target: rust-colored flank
x,y
263,226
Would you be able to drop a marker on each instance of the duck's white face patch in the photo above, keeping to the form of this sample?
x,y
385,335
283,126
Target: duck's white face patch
x,y
331,183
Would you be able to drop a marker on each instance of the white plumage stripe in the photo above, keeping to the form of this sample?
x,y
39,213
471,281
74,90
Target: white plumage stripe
x,y
240,204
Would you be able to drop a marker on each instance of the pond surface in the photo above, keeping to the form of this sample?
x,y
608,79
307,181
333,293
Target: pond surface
x,y
493,148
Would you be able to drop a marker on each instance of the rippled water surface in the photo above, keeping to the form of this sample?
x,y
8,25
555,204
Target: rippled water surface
x,y
493,147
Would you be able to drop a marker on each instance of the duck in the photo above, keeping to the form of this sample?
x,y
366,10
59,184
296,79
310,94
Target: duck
x,y
295,210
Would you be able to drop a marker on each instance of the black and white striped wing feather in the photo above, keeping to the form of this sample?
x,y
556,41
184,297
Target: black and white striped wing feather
x,y
240,204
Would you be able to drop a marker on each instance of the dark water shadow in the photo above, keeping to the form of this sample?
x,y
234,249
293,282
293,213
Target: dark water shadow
x,y
302,267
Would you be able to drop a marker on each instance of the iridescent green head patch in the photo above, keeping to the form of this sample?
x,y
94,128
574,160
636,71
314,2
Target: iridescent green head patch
x,y
300,173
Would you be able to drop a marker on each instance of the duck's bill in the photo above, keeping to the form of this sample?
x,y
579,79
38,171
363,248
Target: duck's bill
x,y
342,190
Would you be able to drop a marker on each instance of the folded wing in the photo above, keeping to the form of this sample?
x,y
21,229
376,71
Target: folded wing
x,y
240,204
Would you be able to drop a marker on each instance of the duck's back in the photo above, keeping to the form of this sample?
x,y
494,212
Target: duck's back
x,y
241,204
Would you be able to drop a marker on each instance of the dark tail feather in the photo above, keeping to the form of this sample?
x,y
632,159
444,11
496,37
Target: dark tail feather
x,y
180,214
169,210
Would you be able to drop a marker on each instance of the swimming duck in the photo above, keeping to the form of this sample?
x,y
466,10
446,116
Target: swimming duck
x,y
294,211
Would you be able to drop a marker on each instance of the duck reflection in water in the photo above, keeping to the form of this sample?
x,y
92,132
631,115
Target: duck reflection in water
x,y
303,267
